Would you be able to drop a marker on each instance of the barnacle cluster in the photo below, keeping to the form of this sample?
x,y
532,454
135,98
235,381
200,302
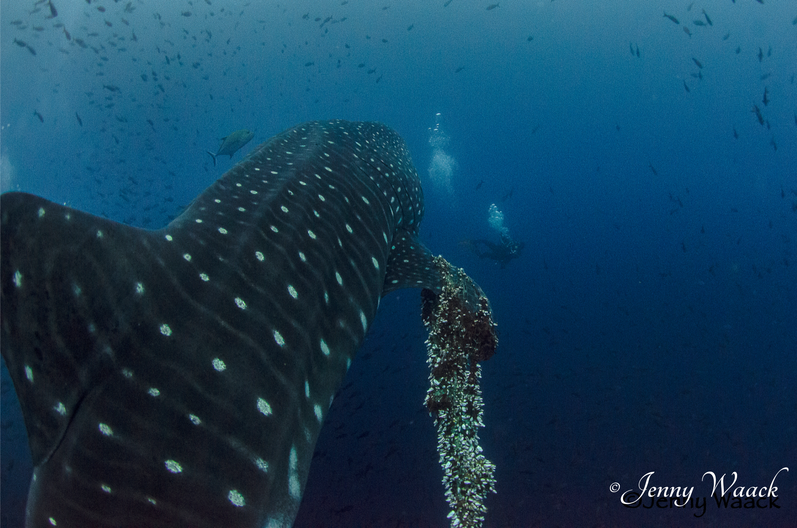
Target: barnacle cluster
x,y
461,334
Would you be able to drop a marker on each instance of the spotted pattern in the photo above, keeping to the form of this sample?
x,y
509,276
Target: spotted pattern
x,y
311,229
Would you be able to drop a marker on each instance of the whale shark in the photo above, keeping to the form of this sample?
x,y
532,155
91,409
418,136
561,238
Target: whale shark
x,y
180,376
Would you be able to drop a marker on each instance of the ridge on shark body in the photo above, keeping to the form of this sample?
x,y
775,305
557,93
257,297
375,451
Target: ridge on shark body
x,y
180,377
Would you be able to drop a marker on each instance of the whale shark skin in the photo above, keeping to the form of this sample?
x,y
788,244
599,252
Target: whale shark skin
x,y
180,376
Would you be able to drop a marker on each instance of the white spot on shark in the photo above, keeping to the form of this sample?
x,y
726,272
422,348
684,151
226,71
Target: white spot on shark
x,y
293,477
302,257
165,330
278,338
312,235
29,373
318,413
264,407
219,364
204,277
261,464
236,498
240,303
18,279
307,389
174,466
41,212
106,488
187,257
194,419
260,256
339,278
60,408
169,238
154,392
325,348
106,429
376,262
222,231
293,291
139,288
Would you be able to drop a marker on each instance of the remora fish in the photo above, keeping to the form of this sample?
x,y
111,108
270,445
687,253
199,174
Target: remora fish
x,y
232,144
180,377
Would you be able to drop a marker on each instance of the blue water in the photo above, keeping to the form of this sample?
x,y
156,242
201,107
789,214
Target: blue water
x,y
650,324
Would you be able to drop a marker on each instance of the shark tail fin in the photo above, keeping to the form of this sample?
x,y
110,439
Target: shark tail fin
x,y
213,156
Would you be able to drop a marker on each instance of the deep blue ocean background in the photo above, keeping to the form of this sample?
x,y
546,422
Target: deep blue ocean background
x,y
651,322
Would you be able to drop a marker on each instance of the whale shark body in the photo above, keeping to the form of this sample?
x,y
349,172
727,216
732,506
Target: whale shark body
x,y
180,377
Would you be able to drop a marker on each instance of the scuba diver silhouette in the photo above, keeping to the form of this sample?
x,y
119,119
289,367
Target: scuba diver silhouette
x,y
502,253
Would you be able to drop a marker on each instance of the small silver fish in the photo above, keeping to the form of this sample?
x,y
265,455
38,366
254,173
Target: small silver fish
x,y
232,143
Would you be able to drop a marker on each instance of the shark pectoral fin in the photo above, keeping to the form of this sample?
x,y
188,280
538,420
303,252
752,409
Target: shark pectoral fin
x,y
410,265
52,333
